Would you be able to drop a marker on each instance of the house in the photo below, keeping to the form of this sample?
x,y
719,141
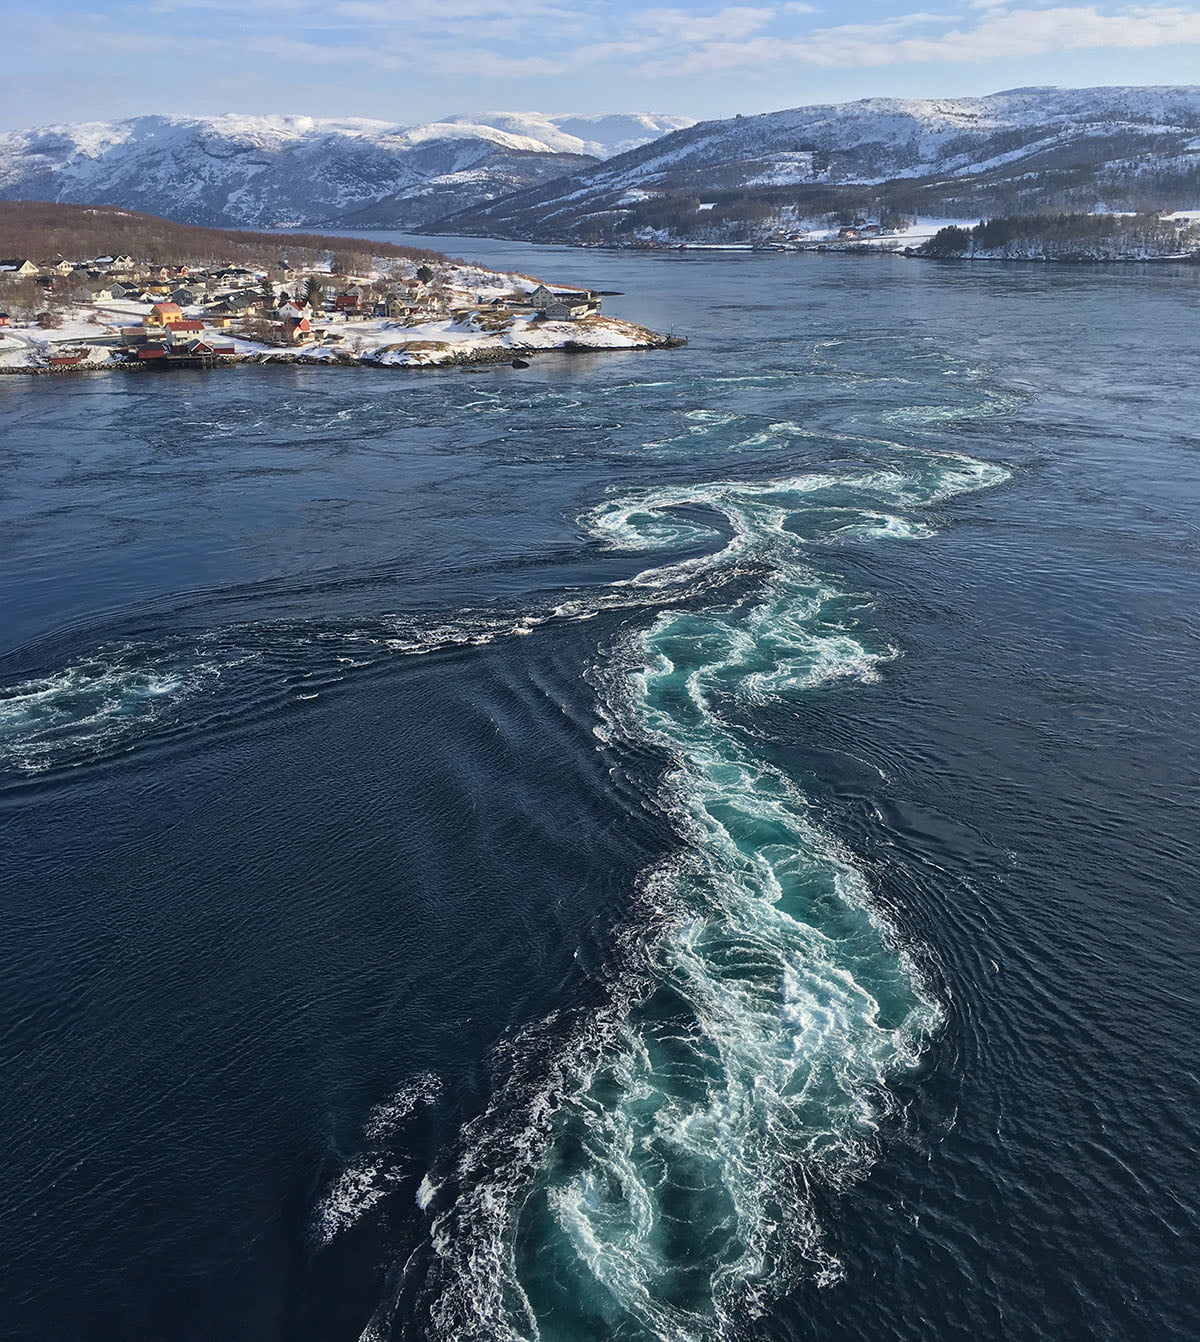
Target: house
x,y
290,312
238,305
184,331
164,314
566,309
349,303
544,297
4,319
184,297
60,267
65,360
99,291
298,331
20,267
152,352
540,296
849,234
122,263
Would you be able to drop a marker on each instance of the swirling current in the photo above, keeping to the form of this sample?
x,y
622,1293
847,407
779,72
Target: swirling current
x,y
667,1197
632,849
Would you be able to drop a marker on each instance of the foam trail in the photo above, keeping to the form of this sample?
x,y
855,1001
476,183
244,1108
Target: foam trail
x,y
375,1173
93,704
656,1182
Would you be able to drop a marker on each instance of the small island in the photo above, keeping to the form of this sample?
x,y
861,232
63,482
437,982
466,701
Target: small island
x,y
94,288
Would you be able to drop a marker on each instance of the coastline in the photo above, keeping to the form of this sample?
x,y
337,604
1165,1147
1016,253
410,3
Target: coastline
x,y
448,356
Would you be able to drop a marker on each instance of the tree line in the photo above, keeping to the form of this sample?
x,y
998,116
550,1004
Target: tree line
x,y
1065,237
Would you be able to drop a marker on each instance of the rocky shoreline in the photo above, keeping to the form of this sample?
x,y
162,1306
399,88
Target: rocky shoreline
x,y
464,358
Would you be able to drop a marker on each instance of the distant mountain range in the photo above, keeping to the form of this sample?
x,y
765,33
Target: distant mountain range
x,y
267,171
621,177
1024,151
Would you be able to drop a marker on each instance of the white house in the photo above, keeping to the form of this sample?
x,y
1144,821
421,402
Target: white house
x,y
543,298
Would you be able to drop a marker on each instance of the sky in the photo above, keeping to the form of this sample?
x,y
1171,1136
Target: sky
x,y
409,61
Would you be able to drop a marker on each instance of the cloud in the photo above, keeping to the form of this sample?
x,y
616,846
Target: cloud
x,y
547,39
686,26
1000,34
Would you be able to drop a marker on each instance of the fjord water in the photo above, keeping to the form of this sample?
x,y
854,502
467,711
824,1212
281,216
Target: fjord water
x,y
680,845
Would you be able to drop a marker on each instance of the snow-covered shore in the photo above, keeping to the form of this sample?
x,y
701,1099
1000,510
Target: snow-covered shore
x,y
89,337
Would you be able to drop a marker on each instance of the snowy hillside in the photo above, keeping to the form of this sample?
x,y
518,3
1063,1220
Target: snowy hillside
x,y
1027,149
270,170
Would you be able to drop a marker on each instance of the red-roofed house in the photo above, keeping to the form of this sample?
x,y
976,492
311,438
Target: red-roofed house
x,y
297,329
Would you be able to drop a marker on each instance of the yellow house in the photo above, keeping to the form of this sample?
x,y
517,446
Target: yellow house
x,y
164,314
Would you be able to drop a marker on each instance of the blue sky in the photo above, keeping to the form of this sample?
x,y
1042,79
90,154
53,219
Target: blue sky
x,y
416,60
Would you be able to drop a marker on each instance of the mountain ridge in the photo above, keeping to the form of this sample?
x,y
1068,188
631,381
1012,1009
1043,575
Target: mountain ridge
x,y
1015,151
270,170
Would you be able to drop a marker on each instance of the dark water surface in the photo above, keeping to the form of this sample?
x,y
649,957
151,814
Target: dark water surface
x,y
688,845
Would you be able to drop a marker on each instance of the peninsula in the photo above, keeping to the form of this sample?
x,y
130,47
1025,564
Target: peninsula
x,y
98,288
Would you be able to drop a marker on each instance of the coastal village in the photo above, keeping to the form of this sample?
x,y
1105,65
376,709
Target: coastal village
x,y
119,312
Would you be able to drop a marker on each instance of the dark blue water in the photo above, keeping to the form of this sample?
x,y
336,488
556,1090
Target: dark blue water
x,y
684,845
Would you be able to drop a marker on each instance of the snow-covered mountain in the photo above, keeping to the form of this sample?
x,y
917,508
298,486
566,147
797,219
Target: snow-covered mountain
x,y
268,170
1027,149
599,136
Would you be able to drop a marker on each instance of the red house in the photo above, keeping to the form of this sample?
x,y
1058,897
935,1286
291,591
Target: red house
x,y
296,329
348,303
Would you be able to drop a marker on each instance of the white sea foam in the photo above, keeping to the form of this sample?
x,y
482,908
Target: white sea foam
x,y
93,705
658,1181
375,1173
356,1190
417,1092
